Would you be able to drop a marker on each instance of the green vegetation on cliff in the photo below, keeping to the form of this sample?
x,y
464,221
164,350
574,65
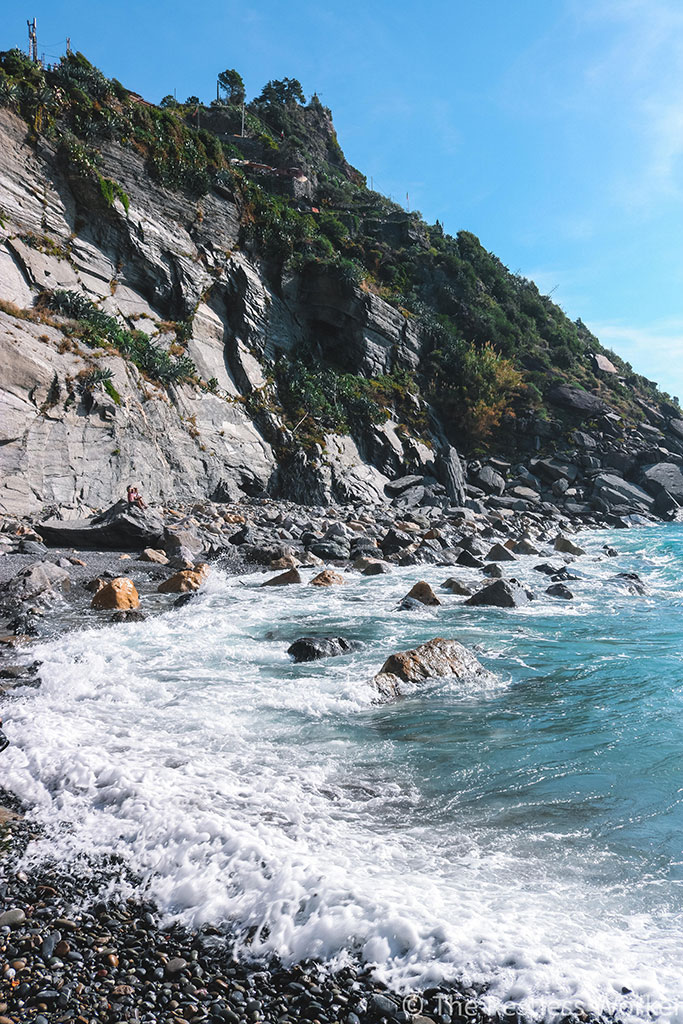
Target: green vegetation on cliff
x,y
493,347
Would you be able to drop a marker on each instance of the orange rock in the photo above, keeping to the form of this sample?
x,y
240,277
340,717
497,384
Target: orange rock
x,y
185,580
432,534
153,555
327,578
291,576
424,593
286,562
118,593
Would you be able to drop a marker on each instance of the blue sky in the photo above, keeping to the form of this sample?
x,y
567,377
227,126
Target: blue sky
x,y
552,129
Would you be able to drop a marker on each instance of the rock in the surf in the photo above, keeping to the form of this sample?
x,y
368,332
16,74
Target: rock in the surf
x,y
433,660
327,578
119,593
567,547
312,648
499,553
502,594
185,580
457,587
423,593
284,579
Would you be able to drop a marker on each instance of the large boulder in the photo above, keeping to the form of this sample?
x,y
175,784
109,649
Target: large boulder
x,y
665,476
555,469
567,547
578,401
468,559
489,480
450,472
395,540
436,659
122,527
403,483
329,550
312,648
119,593
502,594
616,491
603,364
35,581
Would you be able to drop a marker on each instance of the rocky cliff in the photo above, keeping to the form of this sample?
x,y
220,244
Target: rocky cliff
x,y
319,353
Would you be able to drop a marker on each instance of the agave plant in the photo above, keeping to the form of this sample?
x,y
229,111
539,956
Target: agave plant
x,y
94,379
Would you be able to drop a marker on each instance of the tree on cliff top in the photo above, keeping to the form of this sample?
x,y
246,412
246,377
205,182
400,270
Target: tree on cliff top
x,y
232,86
287,90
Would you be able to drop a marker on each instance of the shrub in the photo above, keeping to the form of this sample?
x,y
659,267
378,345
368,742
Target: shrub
x,y
473,386
99,327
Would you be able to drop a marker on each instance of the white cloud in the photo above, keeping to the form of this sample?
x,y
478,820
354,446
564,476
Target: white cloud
x,y
643,65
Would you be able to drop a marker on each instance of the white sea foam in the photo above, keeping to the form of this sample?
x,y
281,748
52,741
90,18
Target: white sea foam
x,y
275,796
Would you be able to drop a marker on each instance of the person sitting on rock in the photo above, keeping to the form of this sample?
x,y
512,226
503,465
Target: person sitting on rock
x,y
134,497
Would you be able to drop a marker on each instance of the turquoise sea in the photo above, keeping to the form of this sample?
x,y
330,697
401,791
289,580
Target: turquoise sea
x,y
524,835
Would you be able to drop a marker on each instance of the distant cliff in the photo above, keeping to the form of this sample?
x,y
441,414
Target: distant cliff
x,y
208,314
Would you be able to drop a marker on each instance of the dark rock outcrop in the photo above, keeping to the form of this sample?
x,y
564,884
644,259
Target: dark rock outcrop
x,y
122,527
502,594
578,401
312,648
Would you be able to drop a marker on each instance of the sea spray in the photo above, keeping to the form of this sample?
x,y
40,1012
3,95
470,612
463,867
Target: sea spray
x,y
525,836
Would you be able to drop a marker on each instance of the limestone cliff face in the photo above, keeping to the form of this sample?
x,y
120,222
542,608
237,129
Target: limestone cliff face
x,y
168,257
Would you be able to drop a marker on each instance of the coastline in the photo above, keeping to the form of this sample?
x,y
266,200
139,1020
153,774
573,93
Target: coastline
x,y
246,982
75,951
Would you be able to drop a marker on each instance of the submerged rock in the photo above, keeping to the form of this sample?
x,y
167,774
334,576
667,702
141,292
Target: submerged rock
x,y
118,593
457,587
493,571
312,648
525,547
630,581
547,568
435,659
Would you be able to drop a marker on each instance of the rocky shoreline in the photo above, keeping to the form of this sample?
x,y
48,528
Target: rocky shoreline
x,y
71,951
